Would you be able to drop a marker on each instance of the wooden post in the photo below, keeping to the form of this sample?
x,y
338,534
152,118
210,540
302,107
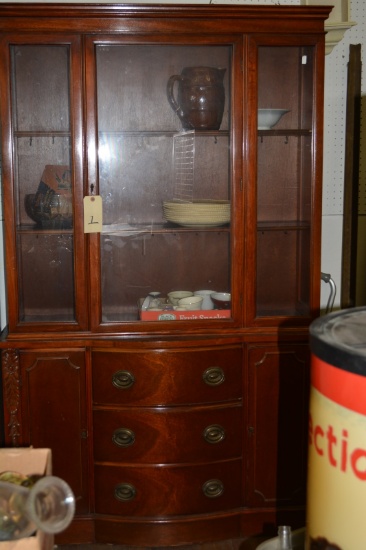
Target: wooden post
x,y
351,177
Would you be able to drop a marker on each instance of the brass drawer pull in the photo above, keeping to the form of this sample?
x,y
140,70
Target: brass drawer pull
x,y
214,434
123,379
214,376
213,488
123,437
124,492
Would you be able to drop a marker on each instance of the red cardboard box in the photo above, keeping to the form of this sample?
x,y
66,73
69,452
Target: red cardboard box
x,y
173,315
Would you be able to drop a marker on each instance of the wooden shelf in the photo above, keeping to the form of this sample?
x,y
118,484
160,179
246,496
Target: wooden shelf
x,y
282,226
285,133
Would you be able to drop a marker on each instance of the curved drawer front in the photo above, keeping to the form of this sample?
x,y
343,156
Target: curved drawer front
x,y
167,490
205,375
164,435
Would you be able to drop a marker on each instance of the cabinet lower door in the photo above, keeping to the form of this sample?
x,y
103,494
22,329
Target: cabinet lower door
x,y
277,424
45,401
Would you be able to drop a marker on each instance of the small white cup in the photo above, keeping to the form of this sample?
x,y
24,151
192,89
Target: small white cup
x,y
207,303
191,302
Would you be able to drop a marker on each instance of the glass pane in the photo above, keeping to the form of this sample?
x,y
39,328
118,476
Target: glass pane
x,y
46,292
43,187
285,83
164,176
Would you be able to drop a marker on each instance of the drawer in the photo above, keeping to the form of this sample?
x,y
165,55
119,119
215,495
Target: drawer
x,y
168,490
168,436
163,377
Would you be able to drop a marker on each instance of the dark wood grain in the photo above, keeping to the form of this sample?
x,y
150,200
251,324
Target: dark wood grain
x,y
351,178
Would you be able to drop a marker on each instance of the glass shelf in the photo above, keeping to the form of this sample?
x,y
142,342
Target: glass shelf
x,y
159,228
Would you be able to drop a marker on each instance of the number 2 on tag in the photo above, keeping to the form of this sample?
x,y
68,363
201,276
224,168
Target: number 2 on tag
x,y
93,214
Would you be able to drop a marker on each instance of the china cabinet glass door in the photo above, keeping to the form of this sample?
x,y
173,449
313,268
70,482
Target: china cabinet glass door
x,y
42,127
285,148
164,175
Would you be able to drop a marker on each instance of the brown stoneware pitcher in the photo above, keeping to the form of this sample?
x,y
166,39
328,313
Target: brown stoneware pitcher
x,y
201,97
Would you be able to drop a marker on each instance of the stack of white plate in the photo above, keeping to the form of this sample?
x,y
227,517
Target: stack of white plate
x,y
198,213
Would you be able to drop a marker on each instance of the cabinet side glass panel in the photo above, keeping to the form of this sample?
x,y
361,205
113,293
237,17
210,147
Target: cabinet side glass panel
x,y
284,180
43,196
164,178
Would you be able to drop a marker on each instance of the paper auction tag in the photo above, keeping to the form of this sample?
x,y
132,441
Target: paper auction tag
x,y
93,214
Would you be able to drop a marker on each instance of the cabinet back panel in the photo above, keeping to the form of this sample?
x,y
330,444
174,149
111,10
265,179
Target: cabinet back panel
x,y
139,264
132,83
280,286
283,72
279,182
136,174
41,72
46,277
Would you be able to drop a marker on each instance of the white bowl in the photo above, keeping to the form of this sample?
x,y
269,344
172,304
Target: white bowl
x,y
176,295
191,302
268,118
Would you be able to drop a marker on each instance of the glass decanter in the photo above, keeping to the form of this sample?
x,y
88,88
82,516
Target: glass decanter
x,y
49,506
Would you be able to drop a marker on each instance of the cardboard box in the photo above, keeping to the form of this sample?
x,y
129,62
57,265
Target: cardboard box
x,y
174,315
28,461
171,314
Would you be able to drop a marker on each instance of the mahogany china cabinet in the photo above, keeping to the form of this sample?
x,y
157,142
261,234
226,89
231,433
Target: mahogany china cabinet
x,y
150,150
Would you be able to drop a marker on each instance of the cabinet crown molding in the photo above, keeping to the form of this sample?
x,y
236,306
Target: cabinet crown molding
x,y
337,23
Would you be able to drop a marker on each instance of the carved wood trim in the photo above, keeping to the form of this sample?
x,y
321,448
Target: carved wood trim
x,y
11,385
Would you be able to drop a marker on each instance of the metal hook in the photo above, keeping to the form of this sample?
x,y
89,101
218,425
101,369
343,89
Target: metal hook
x,y
215,140
286,140
327,278
30,142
